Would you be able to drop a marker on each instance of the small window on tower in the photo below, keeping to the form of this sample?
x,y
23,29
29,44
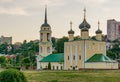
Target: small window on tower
x,y
41,36
48,49
48,36
79,57
68,57
41,49
73,57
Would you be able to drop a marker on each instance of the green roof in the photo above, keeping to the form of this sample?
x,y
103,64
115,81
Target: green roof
x,y
58,57
99,58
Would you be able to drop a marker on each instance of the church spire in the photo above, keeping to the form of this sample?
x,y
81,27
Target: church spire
x,y
45,14
84,13
98,25
71,31
98,31
71,25
45,24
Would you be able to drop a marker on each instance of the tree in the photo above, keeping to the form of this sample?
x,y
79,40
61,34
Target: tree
x,y
60,44
49,66
3,61
26,62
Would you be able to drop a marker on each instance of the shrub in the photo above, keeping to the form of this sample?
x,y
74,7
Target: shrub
x,y
12,75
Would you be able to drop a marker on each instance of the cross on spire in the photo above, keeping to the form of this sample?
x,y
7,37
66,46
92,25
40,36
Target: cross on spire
x,y
84,13
98,24
71,25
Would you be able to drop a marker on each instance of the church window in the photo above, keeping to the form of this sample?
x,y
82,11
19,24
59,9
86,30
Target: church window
x,y
61,67
68,57
79,57
93,46
48,49
48,36
57,67
53,67
73,57
41,36
41,49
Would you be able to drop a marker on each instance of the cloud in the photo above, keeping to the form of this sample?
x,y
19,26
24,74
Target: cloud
x,y
92,2
13,11
6,1
21,7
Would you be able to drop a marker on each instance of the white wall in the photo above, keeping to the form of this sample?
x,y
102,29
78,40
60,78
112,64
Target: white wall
x,y
102,65
53,64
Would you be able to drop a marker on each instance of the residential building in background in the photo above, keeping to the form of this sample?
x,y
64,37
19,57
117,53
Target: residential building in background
x,y
7,40
113,29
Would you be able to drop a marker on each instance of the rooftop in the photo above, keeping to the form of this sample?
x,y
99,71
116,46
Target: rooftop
x,y
58,57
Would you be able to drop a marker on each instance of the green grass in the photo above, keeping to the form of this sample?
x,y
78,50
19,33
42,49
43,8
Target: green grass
x,y
74,76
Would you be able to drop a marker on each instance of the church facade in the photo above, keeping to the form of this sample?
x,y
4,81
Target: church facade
x,y
83,53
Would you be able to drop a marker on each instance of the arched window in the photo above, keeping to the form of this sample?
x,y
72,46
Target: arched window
x,y
73,57
57,67
68,57
53,67
48,36
41,50
48,49
79,57
61,67
41,36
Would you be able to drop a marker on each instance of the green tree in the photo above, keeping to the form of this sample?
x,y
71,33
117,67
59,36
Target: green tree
x,y
60,44
26,62
49,66
3,61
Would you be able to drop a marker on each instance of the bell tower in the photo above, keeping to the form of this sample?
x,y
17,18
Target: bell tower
x,y
45,45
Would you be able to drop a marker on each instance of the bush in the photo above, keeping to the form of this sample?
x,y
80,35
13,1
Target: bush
x,y
12,75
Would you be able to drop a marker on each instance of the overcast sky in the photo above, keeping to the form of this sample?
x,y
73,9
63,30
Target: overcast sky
x,y
22,19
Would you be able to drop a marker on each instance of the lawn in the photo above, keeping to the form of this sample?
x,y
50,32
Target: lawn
x,y
74,76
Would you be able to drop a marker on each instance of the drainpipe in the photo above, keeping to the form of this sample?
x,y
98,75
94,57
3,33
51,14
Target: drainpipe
x,y
84,53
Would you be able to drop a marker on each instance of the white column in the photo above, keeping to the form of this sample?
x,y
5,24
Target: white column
x,y
76,54
71,57
38,63
65,57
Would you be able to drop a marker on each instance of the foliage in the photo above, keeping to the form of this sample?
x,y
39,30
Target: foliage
x,y
114,53
60,44
2,61
49,66
12,75
13,67
26,62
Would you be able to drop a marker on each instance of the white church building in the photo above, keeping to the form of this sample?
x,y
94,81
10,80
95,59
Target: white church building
x,y
84,53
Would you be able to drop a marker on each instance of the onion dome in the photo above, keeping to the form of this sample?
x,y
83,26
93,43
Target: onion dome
x,y
84,25
45,21
71,31
98,31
